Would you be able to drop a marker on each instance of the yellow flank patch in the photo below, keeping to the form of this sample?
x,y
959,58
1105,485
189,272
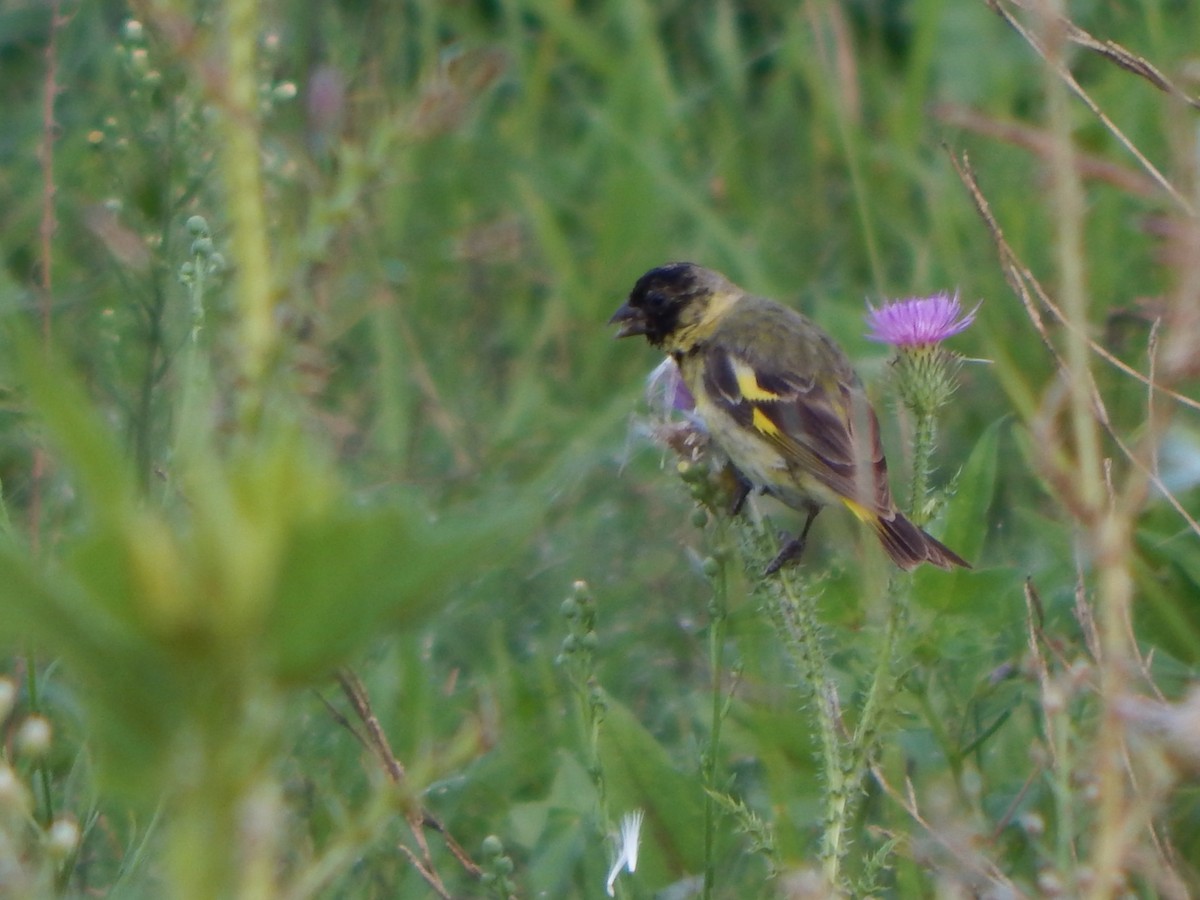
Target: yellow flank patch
x,y
747,382
861,512
764,424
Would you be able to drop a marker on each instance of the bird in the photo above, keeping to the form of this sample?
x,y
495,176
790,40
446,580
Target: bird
x,y
780,400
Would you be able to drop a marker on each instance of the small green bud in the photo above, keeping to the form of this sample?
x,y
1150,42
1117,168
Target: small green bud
x,y
492,846
570,644
62,839
202,246
569,608
699,518
710,567
216,263
133,30
1032,823
589,640
504,865
33,737
197,225
581,590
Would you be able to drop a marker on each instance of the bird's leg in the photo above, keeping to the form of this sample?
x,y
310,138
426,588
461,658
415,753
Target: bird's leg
x,y
738,491
793,549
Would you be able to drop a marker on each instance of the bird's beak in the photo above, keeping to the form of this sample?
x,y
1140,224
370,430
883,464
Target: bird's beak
x,y
632,321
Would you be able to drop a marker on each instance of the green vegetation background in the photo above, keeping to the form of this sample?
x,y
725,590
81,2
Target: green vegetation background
x,y
459,194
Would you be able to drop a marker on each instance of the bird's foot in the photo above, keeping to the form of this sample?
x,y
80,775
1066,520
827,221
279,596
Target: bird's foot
x,y
789,554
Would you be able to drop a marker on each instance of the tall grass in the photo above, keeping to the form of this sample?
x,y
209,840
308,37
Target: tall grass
x,y
399,433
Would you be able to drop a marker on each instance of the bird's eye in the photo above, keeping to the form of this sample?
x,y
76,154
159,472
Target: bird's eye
x,y
655,300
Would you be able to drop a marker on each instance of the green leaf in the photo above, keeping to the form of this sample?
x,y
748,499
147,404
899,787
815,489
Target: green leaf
x,y
76,427
1168,611
966,528
129,682
640,774
353,571
967,512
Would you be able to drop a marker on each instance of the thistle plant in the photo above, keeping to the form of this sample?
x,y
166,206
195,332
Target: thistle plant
x,y
925,373
925,379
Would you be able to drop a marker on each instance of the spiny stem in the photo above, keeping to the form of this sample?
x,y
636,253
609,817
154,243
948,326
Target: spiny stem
x,y
923,443
718,608
795,609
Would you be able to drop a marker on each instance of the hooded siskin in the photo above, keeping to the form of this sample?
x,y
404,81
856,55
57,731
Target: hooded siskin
x,y
780,399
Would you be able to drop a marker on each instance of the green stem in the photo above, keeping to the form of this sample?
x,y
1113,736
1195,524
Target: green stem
x,y
1058,728
247,216
718,609
795,609
883,685
43,771
191,427
923,442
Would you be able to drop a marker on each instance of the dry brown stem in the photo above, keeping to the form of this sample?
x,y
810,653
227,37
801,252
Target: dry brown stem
x,y
375,739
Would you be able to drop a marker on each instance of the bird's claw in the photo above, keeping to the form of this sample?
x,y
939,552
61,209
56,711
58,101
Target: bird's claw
x,y
790,553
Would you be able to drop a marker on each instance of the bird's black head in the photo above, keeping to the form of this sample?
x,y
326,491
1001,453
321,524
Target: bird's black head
x,y
660,301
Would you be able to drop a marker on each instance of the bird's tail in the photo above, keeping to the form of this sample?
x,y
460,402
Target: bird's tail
x,y
909,546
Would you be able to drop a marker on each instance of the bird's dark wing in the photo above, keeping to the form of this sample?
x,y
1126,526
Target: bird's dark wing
x,y
822,425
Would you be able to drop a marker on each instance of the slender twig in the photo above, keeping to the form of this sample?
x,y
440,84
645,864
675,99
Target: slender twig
x,y
1053,58
1023,281
376,740
1026,286
1115,53
336,715
956,846
1036,141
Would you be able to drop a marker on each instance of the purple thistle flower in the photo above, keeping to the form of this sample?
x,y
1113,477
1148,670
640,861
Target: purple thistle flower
x,y
918,321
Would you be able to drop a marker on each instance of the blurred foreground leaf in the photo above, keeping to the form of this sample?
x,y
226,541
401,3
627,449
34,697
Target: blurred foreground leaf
x,y
263,572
